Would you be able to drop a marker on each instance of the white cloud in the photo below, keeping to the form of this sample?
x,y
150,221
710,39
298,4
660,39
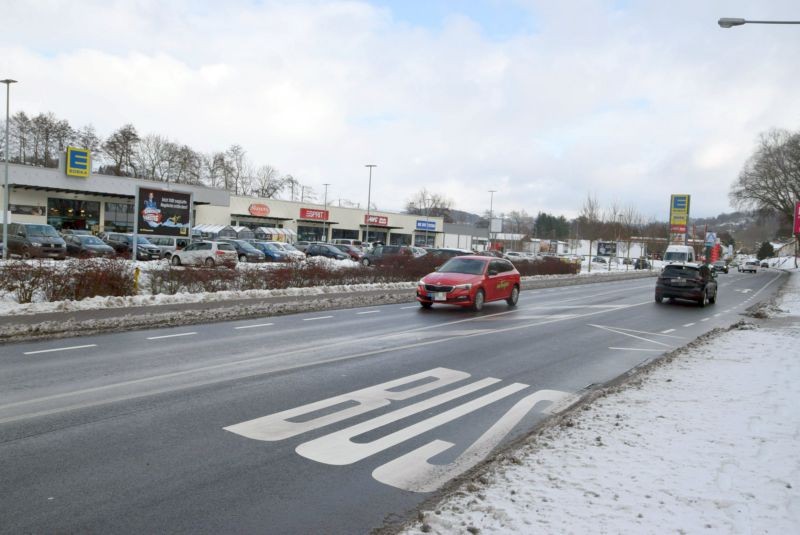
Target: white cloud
x,y
633,100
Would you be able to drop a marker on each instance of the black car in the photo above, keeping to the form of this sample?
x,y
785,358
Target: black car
x,y
123,245
30,240
686,281
326,250
719,266
641,263
84,246
246,251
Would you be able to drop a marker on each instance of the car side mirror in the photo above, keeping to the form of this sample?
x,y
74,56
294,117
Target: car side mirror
x,y
436,268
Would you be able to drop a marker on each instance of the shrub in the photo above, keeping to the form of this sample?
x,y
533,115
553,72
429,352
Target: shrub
x,y
23,279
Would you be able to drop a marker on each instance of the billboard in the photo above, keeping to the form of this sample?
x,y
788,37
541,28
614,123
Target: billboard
x,y
678,213
78,162
162,212
606,248
496,225
797,218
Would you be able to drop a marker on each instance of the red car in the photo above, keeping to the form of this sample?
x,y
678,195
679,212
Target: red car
x,y
470,281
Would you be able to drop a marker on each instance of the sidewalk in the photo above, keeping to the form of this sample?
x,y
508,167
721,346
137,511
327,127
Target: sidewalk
x,y
706,442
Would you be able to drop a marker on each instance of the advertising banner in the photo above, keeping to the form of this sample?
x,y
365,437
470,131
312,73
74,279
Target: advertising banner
x,y
378,220
496,225
311,213
606,248
162,212
426,225
797,218
678,213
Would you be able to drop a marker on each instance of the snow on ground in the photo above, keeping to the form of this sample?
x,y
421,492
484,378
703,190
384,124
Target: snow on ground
x,y
706,442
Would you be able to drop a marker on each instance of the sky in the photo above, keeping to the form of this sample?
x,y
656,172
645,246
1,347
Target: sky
x,y
544,102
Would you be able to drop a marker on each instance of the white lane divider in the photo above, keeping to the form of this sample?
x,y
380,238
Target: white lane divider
x,y
688,324
254,326
317,318
170,336
668,331
406,308
705,319
58,349
368,312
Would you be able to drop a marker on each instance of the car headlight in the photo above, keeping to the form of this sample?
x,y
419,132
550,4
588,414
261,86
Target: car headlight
x,y
36,244
420,282
467,286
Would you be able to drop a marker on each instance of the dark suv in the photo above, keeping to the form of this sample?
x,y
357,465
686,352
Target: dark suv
x,y
687,281
327,250
31,240
122,244
388,254
245,251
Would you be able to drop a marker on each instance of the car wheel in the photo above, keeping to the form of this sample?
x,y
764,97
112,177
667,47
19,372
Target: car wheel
x,y
242,258
365,261
209,262
425,305
176,261
26,253
659,299
703,300
477,304
167,256
713,298
514,297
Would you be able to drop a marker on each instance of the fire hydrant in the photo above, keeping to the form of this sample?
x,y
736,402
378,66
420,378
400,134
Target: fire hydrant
x,y
136,280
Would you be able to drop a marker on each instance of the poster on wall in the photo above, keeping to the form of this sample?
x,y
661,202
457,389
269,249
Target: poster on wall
x,y
606,248
162,212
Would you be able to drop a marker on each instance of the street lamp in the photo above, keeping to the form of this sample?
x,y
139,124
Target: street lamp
x,y
427,217
369,198
491,201
324,228
727,22
8,82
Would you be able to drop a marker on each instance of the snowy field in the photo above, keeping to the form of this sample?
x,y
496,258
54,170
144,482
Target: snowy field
x,y
706,442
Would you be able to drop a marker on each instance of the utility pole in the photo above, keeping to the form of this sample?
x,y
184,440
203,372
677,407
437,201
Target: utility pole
x,y
324,222
491,202
369,199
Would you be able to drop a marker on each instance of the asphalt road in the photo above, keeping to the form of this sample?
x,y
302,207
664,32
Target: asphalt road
x,y
193,429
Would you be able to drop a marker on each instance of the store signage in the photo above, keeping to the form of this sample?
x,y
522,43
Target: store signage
x,y
426,225
258,210
163,212
379,220
678,213
606,248
309,213
797,218
78,162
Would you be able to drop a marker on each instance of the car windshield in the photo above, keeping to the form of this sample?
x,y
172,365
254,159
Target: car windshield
x,y
681,271
90,240
469,266
673,256
141,240
287,247
269,247
41,231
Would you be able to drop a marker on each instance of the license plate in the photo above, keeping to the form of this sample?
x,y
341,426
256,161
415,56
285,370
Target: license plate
x,y
438,296
678,282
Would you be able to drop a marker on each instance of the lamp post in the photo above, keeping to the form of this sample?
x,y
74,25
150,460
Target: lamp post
x,y
324,222
727,22
427,217
491,202
8,82
369,198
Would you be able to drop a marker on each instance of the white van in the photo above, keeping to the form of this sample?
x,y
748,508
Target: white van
x,y
679,253
346,241
169,244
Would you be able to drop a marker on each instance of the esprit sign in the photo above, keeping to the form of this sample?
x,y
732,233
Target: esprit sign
x,y
258,210
380,220
309,213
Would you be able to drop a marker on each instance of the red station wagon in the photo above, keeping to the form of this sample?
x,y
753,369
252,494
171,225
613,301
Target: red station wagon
x,y
470,281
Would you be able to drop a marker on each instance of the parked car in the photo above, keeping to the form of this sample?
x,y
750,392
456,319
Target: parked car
x,y
719,266
293,253
302,245
641,263
346,241
750,265
599,260
356,254
384,254
246,252
446,253
327,250
208,253
123,245
687,281
470,281
73,232
272,252
83,246
30,240
167,245
765,264
516,256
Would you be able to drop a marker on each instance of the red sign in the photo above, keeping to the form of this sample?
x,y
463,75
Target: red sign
x,y
309,213
258,210
378,220
677,229
797,218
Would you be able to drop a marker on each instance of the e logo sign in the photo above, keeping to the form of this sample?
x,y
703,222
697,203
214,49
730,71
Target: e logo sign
x,y
78,162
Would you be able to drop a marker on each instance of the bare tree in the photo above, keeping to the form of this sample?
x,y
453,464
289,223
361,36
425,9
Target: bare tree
x,y
267,182
591,223
770,180
119,148
429,204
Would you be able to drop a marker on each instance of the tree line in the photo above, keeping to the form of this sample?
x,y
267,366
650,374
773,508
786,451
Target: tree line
x,y
40,140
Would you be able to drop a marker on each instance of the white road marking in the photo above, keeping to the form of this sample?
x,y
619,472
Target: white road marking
x,y
369,312
317,318
635,349
170,336
688,324
406,308
668,331
631,335
254,326
58,349
705,319
717,315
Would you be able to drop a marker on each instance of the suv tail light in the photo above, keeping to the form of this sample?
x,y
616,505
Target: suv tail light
x,y
219,253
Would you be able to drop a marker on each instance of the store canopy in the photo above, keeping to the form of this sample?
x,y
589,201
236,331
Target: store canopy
x,y
212,230
271,231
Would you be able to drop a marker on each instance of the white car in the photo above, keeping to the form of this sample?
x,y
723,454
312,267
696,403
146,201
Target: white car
x,y
750,265
207,253
291,251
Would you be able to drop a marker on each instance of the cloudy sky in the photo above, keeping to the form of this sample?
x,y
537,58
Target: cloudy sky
x,y
545,102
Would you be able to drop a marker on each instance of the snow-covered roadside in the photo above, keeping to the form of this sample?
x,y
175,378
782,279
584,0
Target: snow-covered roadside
x,y
707,441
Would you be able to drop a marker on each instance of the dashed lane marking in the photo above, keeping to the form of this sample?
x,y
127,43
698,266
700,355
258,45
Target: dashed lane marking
x,y
668,331
369,312
170,336
688,324
254,326
705,319
58,349
317,318
635,349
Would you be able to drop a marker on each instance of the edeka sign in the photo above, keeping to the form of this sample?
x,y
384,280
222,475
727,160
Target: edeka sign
x,y
378,220
78,162
163,212
797,218
426,225
317,215
678,213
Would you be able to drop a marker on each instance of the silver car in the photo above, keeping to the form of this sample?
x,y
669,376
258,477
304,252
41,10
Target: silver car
x,y
207,253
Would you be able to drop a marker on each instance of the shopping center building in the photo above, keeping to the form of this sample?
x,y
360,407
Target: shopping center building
x,y
106,203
